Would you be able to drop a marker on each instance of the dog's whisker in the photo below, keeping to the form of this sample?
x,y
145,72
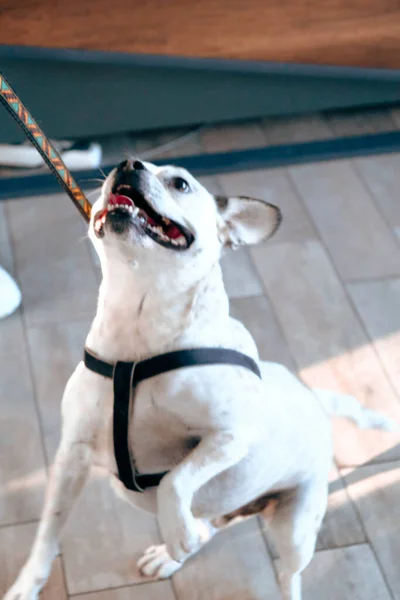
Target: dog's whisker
x,y
83,238
93,179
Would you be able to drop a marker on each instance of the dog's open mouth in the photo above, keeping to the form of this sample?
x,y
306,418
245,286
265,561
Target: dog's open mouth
x,y
132,205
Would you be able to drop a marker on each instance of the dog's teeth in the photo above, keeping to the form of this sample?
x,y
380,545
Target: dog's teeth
x,y
135,211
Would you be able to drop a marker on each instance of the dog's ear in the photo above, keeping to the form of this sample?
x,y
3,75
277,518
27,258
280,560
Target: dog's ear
x,y
246,220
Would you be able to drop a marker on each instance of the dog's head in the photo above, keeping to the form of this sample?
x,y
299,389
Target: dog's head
x,y
163,215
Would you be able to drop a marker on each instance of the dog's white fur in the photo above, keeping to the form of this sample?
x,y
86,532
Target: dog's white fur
x,y
256,437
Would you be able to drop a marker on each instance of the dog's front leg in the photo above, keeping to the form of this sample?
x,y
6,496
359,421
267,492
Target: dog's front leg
x,y
67,477
212,456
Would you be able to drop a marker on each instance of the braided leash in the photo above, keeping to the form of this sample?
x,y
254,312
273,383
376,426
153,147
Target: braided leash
x,y
33,132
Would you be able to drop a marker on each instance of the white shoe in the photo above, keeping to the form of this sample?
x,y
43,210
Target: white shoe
x,y
10,296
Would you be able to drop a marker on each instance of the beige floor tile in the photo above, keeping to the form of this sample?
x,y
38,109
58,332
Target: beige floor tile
x,y
52,260
103,539
358,239
327,341
347,573
356,122
257,315
233,566
292,130
237,136
275,187
239,275
15,544
381,176
162,590
180,142
55,351
376,492
22,473
341,525
378,304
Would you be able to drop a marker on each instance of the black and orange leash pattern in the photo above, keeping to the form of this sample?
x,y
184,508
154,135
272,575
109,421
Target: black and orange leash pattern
x,y
36,136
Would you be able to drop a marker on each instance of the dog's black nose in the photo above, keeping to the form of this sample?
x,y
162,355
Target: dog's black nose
x,y
130,165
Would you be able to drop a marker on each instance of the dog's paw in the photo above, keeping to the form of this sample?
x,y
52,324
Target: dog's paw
x,y
24,590
29,583
180,533
157,563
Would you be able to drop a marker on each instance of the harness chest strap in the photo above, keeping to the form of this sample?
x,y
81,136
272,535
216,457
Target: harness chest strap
x,y
126,376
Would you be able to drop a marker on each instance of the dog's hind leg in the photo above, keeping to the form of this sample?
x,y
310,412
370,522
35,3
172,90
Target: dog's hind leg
x,y
294,526
67,477
157,563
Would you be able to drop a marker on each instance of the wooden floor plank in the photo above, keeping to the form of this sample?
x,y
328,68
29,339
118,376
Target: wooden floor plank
x,y
375,489
357,237
257,315
15,543
22,470
275,187
234,566
358,34
52,259
327,341
348,573
378,304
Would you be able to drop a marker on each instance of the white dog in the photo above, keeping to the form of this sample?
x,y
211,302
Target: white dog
x,y
232,443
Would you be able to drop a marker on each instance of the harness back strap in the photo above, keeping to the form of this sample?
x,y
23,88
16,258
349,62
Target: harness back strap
x,y
126,375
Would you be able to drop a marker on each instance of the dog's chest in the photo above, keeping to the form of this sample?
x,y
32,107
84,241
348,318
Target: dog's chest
x,y
169,415
164,425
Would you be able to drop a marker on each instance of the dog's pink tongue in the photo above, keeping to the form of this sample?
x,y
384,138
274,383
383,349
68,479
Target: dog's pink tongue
x,y
119,200
173,232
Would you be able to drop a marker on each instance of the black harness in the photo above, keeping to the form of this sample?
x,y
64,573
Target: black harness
x,y
127,375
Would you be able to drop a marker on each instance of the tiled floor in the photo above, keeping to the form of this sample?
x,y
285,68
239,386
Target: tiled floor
x,y
323,297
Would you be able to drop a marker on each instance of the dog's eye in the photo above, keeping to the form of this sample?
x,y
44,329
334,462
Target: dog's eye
x,y
180,184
